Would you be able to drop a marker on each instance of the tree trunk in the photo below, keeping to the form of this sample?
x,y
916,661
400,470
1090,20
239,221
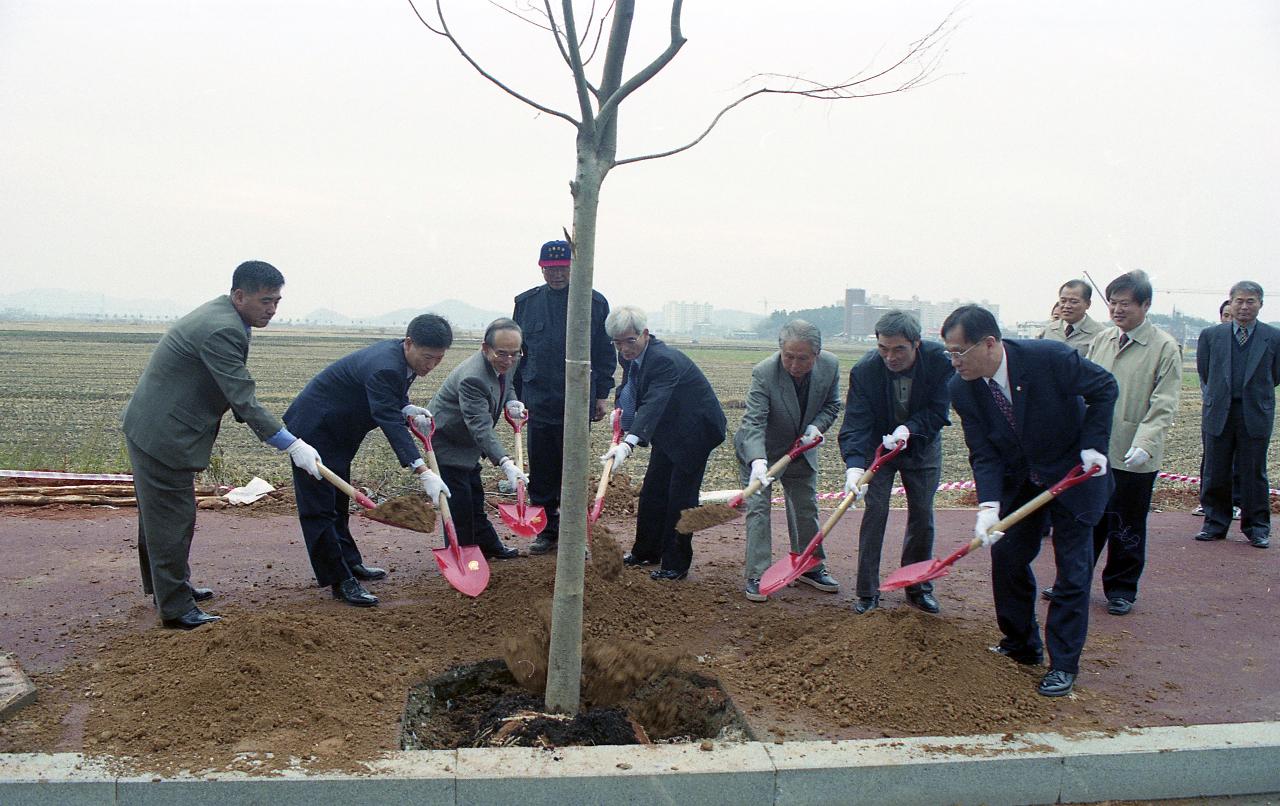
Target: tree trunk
x,y
564,663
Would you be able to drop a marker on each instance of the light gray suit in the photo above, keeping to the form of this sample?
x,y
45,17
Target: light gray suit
x,y
195,374
771,425
466,407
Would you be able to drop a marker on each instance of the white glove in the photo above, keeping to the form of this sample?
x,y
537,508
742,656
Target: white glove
x,y
851,477
514,474
305,457
988,516
811,433
421,417
760,473
1136,457
433,485
515,409
1091,458
900,435
618,453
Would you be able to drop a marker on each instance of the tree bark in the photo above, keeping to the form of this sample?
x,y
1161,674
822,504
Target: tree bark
x,y
564,662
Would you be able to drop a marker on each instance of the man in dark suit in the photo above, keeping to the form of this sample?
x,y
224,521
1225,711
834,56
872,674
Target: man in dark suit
x,y
667,404
897,395
1239,368
335,412
466,408
195,374
539,378
1031,411
795,393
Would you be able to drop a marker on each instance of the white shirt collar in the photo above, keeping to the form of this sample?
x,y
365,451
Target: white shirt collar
x,y
1001,375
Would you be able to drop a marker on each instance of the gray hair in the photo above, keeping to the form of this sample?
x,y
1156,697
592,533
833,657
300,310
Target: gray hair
x,y
501,323
899,323
1247,286
624,318
800,330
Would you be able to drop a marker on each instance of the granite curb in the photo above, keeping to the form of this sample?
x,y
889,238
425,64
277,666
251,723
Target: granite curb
x,y
1148,763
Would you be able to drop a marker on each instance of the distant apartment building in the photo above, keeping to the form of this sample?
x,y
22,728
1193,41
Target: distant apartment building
x,y
861,311
685,317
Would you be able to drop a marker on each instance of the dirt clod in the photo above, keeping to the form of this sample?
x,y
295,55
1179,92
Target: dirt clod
x,y
705,516
409,511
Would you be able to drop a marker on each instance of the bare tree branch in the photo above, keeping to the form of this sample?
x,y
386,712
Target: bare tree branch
x,y
926,53
584,88
599,33
520,16
650,70
447,34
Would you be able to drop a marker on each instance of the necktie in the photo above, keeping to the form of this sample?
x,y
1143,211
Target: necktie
x,y
1242,336
1002,402
627,402
502,392
1124,339
1070,329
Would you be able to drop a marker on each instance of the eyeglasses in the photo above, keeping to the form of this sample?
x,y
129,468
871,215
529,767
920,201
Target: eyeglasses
x,y
954,356
505,354
629,342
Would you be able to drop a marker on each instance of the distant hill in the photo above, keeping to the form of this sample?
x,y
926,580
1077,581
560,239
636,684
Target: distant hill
x,y
460,314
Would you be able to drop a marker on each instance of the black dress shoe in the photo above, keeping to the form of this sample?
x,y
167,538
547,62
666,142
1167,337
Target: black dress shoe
x,y
1025,658
202,594
1056,683
923,601
669,576
631,559
353,593
866,604
190,620
1119,607
544,543
1047,594
1260,542
367,572
504,553
1205,536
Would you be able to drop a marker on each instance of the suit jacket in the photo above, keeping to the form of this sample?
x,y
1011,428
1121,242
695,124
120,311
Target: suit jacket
x,y
677,411
1148,371
773,419
1082,334
539,377
868,413
355,394
195,374
1214,354
1062,404
468,404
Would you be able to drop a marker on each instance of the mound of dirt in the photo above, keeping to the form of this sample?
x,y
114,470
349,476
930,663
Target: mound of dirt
x,y
410,511
606,554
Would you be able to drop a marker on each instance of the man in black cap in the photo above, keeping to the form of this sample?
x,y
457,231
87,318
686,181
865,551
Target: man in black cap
x,y
541,313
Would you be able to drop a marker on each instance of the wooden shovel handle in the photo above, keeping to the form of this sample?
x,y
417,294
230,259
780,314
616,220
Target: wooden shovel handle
x,y
1076,475
442,500
351,492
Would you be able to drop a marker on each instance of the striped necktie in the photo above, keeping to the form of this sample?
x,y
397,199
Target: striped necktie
x,y
1242,336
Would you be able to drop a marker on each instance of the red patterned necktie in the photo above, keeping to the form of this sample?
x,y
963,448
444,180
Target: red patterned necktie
x,y
1070,329
1124,339
1002,402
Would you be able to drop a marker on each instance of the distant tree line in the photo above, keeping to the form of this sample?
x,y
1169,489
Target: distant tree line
x,y
830,320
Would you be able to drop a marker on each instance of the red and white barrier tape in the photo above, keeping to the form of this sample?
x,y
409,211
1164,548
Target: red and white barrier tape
x,y
49,474
1190,481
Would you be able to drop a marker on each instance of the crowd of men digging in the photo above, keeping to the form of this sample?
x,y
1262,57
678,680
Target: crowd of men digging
x,y
1082,398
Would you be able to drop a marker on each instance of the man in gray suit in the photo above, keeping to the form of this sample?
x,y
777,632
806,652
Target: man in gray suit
x,y
794,393
468,404
1239,367
195,374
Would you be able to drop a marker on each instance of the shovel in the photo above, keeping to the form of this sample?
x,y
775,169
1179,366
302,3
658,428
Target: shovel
x,y
424,516
786,570
696,519
523,519
464,567
926,570
593,515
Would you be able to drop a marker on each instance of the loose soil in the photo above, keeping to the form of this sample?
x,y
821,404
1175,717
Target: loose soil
x,y
292,678
408,511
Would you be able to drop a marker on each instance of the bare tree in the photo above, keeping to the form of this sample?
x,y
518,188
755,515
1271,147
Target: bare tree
x,y
596,124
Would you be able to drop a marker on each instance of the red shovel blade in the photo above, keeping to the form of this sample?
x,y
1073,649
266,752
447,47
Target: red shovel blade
x,y
528,524
463,567
915,574
785,571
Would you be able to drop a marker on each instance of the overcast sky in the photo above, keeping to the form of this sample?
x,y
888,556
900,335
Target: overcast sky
x,y
146,148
